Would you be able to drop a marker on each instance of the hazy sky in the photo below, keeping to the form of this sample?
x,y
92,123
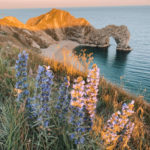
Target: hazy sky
x,y
68,3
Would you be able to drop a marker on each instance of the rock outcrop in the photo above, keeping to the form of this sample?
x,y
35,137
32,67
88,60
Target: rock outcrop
x,y
100,37
56,25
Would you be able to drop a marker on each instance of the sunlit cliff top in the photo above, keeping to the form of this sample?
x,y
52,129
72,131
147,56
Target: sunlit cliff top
x,y
54,19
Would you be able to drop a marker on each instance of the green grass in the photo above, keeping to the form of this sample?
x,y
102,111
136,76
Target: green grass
x,y
15,130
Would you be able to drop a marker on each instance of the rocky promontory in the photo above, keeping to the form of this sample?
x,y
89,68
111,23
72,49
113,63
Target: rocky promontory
x,y
57,25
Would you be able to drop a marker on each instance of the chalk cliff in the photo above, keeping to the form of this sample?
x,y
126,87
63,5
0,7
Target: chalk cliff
x,y
56,25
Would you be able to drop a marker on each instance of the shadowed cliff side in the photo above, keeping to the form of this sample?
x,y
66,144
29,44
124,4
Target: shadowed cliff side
x,y
56,25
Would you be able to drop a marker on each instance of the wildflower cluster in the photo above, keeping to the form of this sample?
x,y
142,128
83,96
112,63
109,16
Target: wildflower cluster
x,y
84,99
78,111
92,90
81,108
128,111
78,93
63,100
39,104
129,128
79,128
21,75
119,125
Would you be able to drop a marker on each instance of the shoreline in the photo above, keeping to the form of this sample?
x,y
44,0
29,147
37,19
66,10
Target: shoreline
x,y
57,50
62,52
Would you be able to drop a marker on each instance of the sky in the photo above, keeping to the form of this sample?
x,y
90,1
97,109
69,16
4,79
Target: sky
x,y
67,3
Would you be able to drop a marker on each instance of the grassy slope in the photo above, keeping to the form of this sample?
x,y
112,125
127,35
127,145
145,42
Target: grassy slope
x,y
110,96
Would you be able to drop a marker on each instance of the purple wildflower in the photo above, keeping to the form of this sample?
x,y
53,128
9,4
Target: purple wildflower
x,y
21,75
63,100
39,105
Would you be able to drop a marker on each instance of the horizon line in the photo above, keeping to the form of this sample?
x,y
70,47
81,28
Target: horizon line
x,y
81,7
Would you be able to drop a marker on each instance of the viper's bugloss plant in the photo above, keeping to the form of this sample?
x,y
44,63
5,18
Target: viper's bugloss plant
x,y
78,125
119,127
92,90
39,104
44,130
63,102
79,119
21,75
129,128
78,93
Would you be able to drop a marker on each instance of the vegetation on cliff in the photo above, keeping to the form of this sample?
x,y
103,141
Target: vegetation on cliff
x,y
19,130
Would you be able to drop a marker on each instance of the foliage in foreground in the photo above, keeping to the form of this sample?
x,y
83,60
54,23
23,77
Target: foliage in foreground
x,y
20,131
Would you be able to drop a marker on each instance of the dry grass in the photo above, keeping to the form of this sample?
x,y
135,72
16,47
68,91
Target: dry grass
x,y
111,98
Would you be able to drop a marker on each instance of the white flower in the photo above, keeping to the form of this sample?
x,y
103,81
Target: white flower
x,y
132,102
118,112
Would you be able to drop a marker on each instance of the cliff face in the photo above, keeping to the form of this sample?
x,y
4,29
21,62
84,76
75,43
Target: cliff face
x,y
14,32
56,25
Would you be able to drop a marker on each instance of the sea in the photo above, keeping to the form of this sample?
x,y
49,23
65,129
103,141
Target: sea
x,y
128,70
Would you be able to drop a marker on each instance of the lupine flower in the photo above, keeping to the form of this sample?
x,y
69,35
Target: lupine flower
x,y
21,75
39,103
92,90
63,100
119,125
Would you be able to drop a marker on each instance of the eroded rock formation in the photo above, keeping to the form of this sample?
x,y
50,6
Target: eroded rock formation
x,y
57,25
100,37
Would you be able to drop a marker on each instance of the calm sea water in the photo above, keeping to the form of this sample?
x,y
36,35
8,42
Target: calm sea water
x,y
132,69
